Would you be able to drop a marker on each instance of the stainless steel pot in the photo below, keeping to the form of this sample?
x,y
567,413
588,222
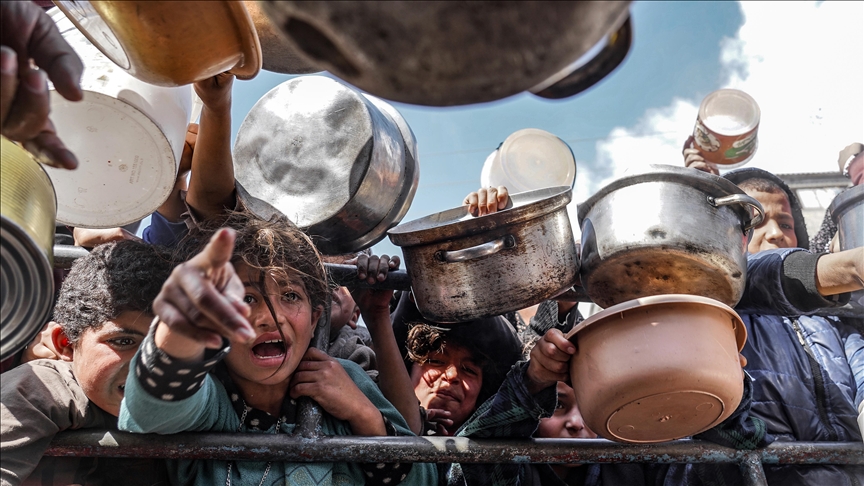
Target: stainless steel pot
x,y
327,157
847,211
28,207
464,268
444,53
669,230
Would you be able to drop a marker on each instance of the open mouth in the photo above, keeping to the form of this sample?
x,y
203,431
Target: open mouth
x,y
122,388
274,348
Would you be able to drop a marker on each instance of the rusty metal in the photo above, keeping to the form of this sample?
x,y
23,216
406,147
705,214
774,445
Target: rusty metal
x,y
751,470
261,447
309,413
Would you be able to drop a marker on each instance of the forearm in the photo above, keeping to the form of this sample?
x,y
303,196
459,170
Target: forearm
x,y
173,207
178,345
211,187
393,378
841,272
368,421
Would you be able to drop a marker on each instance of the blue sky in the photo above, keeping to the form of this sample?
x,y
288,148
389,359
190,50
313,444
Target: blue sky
x,y
802,61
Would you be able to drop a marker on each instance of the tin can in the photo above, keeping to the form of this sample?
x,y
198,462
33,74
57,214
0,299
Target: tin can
x,y
726,128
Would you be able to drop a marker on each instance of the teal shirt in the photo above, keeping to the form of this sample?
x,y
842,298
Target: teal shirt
x,y
210,409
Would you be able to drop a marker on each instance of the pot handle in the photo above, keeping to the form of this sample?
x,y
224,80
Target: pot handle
x,y
743,200
474,252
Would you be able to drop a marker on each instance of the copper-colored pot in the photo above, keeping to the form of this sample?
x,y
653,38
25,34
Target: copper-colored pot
x,y
658,368
171,43
28,207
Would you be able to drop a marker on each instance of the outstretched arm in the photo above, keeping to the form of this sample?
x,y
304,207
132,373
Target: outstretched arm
x,y
211,187
840,272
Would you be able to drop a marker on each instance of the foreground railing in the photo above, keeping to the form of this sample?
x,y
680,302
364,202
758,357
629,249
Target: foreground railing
x,y
260,447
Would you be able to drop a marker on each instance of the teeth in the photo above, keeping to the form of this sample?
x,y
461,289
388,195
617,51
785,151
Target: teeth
x,y
265,357
272,341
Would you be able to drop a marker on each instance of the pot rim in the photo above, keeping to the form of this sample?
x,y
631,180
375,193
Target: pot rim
x,y
252,59
458,223
845,201
711,185
655,300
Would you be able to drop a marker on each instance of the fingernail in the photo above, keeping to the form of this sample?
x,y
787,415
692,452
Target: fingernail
x,y
36,81
246,333
8,61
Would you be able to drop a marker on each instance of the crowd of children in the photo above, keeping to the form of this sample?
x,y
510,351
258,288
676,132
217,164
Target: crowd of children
x,y
207,325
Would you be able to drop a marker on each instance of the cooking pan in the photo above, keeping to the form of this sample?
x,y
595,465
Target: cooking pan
x,y
444,53
464,268
329,159
170,43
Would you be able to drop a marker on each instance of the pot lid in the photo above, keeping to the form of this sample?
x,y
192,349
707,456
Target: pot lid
x,y
711,185
304,148
668,299
458,222
847,199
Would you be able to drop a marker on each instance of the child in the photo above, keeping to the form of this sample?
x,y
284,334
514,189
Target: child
x,y
265,295
102,316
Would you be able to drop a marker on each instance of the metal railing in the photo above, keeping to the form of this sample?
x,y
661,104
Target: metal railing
x,y
260,447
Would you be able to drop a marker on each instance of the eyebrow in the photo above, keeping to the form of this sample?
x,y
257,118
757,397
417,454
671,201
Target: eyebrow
x,y
125,331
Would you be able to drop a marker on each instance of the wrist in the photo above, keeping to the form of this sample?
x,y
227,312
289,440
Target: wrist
x,y
369,422
177,345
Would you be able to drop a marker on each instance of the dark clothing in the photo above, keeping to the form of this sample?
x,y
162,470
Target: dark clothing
x,y
821,243
355,345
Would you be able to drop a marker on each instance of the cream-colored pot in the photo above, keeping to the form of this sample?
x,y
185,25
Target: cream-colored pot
x,y
658,368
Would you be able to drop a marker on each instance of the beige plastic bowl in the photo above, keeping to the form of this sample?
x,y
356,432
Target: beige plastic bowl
x,y
658,368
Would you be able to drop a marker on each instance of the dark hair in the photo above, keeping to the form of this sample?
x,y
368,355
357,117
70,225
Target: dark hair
x,y
761,185
275,247
114,278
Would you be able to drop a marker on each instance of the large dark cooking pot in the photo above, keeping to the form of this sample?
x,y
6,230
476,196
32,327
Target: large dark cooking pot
x,y
464,268
445,53
330,159
668,230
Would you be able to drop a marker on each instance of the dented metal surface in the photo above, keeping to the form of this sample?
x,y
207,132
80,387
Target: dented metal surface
x,y
260,447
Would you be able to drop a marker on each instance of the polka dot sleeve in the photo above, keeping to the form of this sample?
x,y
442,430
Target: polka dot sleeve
x,y
386,473
170,379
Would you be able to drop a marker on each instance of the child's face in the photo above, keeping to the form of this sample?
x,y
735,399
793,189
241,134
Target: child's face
x,y
566,422
778,228
100,358
273,356
342,311
450,381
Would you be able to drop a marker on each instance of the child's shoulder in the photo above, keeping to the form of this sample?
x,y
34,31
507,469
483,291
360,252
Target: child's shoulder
x,y
45,372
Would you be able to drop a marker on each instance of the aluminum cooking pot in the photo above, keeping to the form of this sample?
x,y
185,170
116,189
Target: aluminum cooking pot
x,y
668,230
445,53
464,268
27,210
277,54
329,159
170,43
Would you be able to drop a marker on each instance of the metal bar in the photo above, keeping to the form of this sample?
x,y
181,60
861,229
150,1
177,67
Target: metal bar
x,y
751,471
309,414
260,447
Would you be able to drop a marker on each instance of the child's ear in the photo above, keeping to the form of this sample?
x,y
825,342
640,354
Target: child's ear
x,y
316,314
61,343
355,316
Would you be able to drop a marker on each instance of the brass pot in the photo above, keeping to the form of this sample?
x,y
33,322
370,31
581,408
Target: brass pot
x,y
28,207
658,368
171,43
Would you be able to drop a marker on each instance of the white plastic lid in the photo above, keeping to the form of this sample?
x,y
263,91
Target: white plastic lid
x,y
126,165
530,159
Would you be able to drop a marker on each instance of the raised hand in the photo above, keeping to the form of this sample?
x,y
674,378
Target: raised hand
x,y
550,361
487,200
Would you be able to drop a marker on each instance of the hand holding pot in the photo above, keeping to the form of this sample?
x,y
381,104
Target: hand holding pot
x,y
485,201
693,158
215,92
28,33
550,361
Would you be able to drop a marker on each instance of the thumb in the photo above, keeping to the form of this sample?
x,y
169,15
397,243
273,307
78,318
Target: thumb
x,y
218,251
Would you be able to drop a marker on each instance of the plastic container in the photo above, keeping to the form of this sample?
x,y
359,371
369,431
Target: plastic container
x,y
528,160
726,128
128,136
